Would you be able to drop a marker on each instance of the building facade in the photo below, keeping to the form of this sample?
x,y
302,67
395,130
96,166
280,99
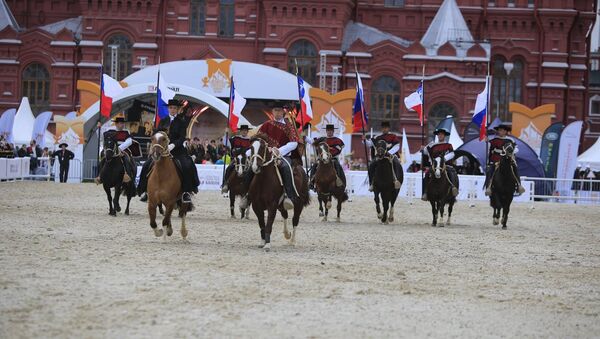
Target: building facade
x,y
536,50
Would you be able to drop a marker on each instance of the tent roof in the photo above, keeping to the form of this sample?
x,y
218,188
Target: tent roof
x,y
591,156
369,35
23,126
6,17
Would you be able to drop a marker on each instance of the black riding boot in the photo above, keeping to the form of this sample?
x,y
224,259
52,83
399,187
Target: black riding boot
x,y
228,170
339,172
397,168
98,179
287,177
453,176
143,184
371,171
520,189
311,180
488,179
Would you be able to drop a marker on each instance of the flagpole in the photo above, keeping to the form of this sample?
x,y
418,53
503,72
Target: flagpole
x,y
301,118
487,121
156,102
227,128
422,130
99,125
362,119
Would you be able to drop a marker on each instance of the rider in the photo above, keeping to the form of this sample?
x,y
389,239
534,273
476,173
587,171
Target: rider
x,y
239,144
124,140
163,126
497,145
441,148
393,146
283,141
335,148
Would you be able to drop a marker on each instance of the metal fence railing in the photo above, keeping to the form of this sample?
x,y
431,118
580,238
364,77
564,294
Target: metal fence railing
x,y
579,191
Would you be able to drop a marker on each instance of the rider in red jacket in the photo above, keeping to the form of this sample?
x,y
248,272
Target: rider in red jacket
x,y
496,147
335,148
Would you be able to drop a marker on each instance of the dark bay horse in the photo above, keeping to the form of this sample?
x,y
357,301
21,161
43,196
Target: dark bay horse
x,y
383,184
325,181
504,182
237,184
164,187
112,176
439,191
266,192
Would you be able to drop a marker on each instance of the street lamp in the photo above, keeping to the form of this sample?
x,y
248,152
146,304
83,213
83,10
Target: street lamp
x,y
508,67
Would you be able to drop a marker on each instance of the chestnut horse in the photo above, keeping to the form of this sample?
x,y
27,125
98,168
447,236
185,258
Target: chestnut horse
x,y
325,181
112,176
266,191
164,187
238,185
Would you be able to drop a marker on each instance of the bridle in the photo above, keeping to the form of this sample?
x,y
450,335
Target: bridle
x,y
263,157
323,153
163,151
439,166
380,149
240,165
113,151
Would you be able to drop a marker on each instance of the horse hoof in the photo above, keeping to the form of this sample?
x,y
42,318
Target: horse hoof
x,y
496,221
184,233
391,219
379,215
328,205
169,231
432,224
324,219
385,222
118,208
337,220
113,213
158,232
504,227
321,214
126,212
441,224
287,235
267,247
232,217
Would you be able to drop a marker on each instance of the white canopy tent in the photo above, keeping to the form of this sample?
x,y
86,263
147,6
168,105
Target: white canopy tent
x,y
23,126
591,157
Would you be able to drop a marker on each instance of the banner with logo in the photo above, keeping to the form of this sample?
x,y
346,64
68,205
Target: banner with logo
x,y
549,148
567,155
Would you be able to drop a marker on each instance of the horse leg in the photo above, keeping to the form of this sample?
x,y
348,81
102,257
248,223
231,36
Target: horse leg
x,y
434,212
111,210
505,211
320,198
232,205
339,208
160,209
386,207
130,194
496,217
379,215
116,199
184,231
167,220
285,216
295,220
327,207
260,215
269,227
441,210
152,212
248,211
450,207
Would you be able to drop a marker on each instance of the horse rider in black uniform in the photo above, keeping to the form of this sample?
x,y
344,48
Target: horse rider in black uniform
x,y
440,148
393,146
124,141
64,156
497,145
240,144
335,148
163,126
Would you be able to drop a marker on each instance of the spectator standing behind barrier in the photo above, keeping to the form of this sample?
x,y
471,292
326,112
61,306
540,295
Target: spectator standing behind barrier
x,y
22,152
64,156
212,151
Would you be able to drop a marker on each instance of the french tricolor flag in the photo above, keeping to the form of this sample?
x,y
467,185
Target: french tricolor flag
x,y
480,113
236,105
306,113
414,102
109,89
163,95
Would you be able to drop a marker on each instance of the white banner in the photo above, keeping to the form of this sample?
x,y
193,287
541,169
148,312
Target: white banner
x,y
6,124
567,155
3,162
39,128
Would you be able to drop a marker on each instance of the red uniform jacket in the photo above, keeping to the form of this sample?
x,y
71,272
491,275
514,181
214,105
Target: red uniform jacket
x,y
335,144
390,138
497,144
279,134
239,144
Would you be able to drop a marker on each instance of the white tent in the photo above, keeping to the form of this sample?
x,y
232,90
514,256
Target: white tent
x,y
6,123
591,157
454,138
23,126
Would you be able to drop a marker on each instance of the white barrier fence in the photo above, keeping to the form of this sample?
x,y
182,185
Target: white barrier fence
x,y
19,168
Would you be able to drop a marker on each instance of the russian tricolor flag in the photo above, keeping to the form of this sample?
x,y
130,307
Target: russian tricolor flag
x,y
360,115
109,89
236,104
306,113
163,95
480,113
415,102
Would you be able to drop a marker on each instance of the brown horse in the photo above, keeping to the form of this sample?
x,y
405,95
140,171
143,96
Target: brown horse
x,y
164,187
238,185
266,192
325,181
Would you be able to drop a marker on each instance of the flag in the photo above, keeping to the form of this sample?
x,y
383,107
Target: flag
x,y
109,89
360,116
163,95
236,104
415,102
406,156
306,113
480,113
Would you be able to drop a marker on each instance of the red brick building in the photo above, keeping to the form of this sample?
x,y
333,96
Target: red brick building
x,y
538,49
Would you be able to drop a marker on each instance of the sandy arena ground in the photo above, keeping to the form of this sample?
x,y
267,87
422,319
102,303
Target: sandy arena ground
x,y
68,269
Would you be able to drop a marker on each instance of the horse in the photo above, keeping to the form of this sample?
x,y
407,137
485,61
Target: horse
x,y
503,186
384,183
439,191
112,176
164,187
238,185
266,191
325,182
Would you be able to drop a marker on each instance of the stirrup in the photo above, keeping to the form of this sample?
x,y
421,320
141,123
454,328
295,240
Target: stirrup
x,y
144,197
244,203
397,184
287,203
424,197
454,191
126,178
186,198
521,189
224,189
488,191
97,180
339,182
371,188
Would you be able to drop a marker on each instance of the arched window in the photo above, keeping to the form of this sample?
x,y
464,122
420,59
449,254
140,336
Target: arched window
x,y
438,112
507,86
305,53
197,17
385,102
36,86
118,56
